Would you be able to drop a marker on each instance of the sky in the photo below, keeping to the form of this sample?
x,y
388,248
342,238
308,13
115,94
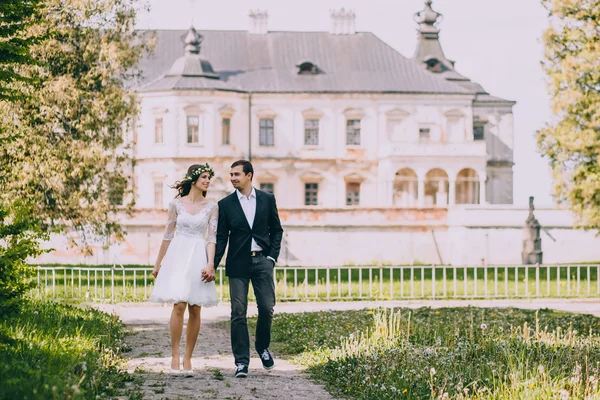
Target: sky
x,y
496,43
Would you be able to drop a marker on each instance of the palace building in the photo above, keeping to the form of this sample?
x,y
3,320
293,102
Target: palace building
x,y
373,157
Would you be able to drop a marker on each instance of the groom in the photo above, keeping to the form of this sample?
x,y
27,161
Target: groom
x,y
249,220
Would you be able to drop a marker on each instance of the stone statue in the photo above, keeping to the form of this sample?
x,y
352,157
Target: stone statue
x,y
532,241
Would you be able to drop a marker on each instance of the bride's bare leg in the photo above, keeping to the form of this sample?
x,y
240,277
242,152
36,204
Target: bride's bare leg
x,y
176,326
191,335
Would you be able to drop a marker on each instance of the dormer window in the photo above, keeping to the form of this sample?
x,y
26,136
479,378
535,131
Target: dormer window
x,y
434,65
307,68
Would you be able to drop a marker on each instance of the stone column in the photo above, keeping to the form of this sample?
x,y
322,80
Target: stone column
x,y
451,192
482,179
387,193
421,192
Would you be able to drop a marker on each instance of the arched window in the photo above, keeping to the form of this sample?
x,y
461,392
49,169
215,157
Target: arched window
x,y
436,188
467,187
406,188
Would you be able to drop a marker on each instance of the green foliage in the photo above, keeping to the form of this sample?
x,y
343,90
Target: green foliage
x,y
16,17
19,236
458,353
53,351
62,145
572,142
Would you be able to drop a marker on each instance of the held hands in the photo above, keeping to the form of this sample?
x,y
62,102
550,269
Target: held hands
x,y
208,273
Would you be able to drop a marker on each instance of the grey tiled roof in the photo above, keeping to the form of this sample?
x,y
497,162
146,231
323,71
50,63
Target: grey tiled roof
x,y
267,63
486,98
187,83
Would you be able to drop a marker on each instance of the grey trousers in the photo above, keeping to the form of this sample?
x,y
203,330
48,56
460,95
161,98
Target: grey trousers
x,y
261,276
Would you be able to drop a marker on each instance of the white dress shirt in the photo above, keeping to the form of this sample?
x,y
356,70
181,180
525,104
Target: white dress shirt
x,y
249,207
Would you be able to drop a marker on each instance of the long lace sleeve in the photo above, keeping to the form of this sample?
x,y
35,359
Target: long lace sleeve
x,y
211,236
171,222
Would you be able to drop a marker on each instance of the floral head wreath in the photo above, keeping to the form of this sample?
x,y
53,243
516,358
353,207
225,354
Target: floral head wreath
x,y
199,171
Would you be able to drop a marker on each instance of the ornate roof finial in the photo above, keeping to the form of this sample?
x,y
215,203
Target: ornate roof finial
x,y
193,41
427,16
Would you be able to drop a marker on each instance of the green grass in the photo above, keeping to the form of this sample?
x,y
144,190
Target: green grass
x,y
54,351
349,284
458,353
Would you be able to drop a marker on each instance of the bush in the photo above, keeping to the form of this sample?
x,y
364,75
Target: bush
x,y
20,234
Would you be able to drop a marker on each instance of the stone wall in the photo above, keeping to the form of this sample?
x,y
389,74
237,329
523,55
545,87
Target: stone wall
x,y
458,236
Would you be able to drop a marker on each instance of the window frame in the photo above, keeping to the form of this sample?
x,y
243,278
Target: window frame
x,y
353,196
355,131
315,130
272,184
311,194
225,133
162,129
265,134
188,126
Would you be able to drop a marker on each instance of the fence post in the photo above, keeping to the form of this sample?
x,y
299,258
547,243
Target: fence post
x,y
475,281
39,283
537,280
328,283
53,282
112,283
221,284
433,281
526,280
284,282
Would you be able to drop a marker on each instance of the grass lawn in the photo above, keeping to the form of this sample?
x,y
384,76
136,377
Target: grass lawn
x,y
134,284
54,351
451,353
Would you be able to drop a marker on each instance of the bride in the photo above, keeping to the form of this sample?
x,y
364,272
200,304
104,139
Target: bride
x,y
184,268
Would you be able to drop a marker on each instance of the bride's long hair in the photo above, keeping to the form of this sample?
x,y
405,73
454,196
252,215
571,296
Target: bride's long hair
x,y
184,186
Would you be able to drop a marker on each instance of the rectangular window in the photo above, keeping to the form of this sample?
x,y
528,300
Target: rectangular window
x,y
478,132
267,187
193,129
311,132
226,131
353,132
424,135
352,194
158,130
311,191
267,132
116,193
158,193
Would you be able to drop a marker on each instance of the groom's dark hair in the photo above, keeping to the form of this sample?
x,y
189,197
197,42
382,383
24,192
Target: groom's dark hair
x,y
246,167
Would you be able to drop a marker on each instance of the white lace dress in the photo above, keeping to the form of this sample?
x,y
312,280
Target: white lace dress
x,y
180,275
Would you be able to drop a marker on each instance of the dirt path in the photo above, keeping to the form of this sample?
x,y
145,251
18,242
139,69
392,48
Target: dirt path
x,y
149,359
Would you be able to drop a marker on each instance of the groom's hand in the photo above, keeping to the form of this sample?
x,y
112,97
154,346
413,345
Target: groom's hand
x,y
208,273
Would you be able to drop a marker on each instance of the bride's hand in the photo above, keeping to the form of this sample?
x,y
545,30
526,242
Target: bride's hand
x,y
155,271
208,273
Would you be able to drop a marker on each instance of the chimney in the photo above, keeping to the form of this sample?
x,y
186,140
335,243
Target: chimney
x,y
258,22
342,22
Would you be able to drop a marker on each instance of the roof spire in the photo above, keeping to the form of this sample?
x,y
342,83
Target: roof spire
x,y
429,50
193,41
192,64
427,19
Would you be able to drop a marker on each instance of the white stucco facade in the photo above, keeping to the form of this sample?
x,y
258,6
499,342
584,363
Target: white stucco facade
x,y
390,141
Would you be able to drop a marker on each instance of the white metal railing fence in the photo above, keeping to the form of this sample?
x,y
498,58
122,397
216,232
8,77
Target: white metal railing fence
x,y
120,283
